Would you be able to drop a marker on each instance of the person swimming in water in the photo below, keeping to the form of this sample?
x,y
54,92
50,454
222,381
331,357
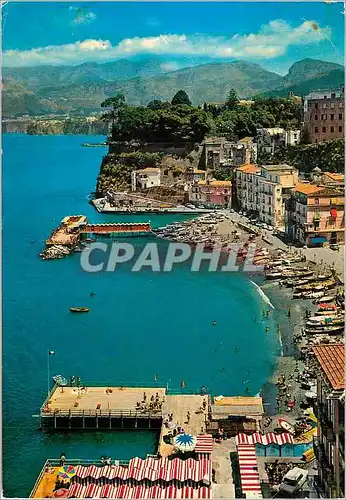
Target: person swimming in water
x,y
236,349
214,322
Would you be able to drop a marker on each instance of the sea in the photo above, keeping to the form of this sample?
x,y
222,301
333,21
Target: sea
x,y
145,328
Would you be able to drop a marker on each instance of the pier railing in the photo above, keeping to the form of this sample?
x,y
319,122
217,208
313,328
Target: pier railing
x,y
102,413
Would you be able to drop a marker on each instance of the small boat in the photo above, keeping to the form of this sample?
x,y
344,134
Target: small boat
x,y
325,329
79,309
284,424
326,298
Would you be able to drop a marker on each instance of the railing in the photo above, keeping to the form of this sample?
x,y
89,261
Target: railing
x,y
102,413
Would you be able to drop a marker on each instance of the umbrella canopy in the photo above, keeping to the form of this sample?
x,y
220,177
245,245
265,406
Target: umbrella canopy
x,y
60,493
66,472
185,442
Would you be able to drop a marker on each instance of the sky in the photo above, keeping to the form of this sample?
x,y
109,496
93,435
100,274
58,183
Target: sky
x,y
274,35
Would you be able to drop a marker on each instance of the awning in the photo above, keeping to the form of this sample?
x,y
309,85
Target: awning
x,y
265,439
204,443
333,213
249,475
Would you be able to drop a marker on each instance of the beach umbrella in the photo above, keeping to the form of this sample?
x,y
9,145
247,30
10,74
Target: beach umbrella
x,y
60,493
185,442
66,472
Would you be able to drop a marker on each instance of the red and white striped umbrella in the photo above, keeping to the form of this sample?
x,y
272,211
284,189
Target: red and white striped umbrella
x,y
204,492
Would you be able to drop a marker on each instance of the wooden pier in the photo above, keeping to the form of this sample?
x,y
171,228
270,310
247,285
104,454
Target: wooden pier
x,y
106,408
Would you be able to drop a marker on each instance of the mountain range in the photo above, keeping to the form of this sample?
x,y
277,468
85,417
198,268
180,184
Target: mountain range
x,y
80,89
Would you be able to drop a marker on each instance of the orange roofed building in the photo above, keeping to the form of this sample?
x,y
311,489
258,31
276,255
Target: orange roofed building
x,y
329,446
315,215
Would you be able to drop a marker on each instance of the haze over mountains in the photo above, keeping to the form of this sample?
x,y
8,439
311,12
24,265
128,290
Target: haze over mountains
x,y
80,89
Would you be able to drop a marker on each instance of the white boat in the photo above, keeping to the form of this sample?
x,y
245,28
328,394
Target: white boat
x,y
284,424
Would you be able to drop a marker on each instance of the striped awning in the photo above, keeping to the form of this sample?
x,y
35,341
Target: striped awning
x,y
204,443
151,470
108,491
249,476
93,491
77,491
265,439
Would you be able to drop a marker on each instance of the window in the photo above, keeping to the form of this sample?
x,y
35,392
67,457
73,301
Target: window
x,y
324,105
340,129
324,129
316,105
333,95
324,117
340,116
332,105
316,118
332,129
316,130
341,104
332,116
317,201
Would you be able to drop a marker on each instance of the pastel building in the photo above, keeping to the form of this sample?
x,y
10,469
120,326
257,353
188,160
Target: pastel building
x,y
315,215
211,192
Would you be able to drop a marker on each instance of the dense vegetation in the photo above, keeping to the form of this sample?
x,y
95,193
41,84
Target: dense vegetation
x,y
178,121
328,156
115,171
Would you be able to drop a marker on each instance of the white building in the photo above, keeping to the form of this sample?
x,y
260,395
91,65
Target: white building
x,y
145,178
271,139
264,190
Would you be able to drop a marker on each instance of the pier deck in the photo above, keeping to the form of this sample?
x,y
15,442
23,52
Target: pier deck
x,y
179,405
104,407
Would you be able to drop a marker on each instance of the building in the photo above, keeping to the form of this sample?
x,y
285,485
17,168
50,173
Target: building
x,y
264,190
145,178
211,193
333,179
150,177
235,414
246,187
324,114
329,446
270,140
217,152
315,215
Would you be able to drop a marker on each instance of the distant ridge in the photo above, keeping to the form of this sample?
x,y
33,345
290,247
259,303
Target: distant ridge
x,y
81,89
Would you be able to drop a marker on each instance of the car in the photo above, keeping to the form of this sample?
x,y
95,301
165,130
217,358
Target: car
x,y
334,246
293,481
188,205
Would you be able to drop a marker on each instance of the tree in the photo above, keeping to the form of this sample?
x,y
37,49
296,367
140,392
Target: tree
x,y
181,97
232,100
156,104
116,104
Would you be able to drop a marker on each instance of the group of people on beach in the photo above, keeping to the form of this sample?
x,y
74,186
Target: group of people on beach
x,y
154,404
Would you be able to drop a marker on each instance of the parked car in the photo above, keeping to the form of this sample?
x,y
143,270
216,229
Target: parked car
x,y
293,481
334,246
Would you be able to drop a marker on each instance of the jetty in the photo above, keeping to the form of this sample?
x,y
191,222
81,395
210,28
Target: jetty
x,y
74,232
117,408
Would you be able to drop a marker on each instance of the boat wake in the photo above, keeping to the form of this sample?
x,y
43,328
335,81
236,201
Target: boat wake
x,y
263,295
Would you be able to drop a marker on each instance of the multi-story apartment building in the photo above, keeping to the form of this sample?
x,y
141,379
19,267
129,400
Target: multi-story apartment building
x,y
271,139
315,215
324,114
263,190
246,187
218,152
329,446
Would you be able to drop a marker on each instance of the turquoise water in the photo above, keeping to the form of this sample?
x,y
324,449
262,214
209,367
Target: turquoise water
x,y
140,324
